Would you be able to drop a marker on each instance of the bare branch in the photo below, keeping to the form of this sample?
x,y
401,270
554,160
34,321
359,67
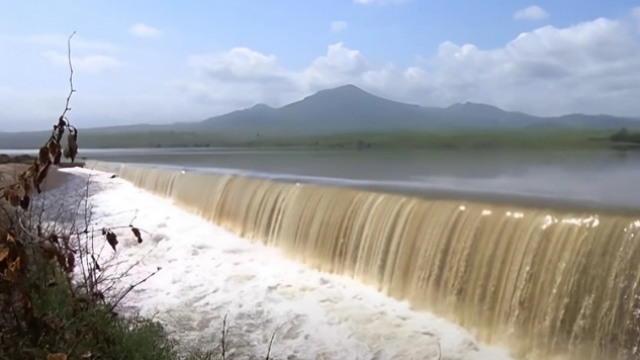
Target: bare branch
x,y
71,89
131,287
273,336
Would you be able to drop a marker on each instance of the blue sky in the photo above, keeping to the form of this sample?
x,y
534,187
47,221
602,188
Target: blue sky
x,y
165,61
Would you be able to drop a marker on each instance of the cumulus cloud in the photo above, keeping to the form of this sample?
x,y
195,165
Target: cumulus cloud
x,y
239,64
591,67
340,65
95,64
338,25
533,12
142,30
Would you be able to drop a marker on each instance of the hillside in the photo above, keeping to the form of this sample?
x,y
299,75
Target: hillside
x,y
343,109
349,109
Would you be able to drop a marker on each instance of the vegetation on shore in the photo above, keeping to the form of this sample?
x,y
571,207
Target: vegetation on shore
x,y
458,140
58,301
56,305
561,139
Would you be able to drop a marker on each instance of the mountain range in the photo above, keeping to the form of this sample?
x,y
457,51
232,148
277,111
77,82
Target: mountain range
x,y
348,109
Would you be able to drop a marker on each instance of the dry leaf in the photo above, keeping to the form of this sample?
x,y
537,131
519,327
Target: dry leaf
x,y
71,262
136,233
112,238
41,176
43,155
71,150
54,238
14,266
24,203
58,356
4,252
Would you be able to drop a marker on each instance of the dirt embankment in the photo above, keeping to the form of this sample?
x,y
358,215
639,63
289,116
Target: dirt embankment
x,y
16,159
12,166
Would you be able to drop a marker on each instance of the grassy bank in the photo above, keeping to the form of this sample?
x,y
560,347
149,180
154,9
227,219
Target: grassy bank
x,y
460,140
50,308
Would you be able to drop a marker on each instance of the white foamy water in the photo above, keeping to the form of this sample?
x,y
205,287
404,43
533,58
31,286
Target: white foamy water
x,y
208,272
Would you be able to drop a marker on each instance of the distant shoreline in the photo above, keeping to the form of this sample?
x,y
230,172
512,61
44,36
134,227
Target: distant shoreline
x,y
467,140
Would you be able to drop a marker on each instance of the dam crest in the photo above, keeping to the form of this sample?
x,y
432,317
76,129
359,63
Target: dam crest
x,y
538,281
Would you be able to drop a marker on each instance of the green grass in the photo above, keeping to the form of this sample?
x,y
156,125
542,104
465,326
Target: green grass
x,y
475,140
542,140
441,140
79,330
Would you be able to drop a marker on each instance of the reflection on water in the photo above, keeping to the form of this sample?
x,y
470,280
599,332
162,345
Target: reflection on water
x,y
602,177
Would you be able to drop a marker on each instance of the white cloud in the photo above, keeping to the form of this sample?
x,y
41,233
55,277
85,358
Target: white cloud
x,y
238,64
142,30
339,66
533,12
95,64
589,67
338,25
635,14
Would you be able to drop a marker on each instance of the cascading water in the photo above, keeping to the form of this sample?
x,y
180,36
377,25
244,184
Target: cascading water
x,y
541,282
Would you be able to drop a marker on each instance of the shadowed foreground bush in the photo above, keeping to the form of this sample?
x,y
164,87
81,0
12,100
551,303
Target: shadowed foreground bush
x,y
46,314
56,303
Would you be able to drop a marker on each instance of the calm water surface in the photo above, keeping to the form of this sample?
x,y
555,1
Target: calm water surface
x,y
598,179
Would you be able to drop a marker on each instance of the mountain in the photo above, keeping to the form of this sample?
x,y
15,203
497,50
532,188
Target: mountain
x,y
488,115
256,115
342,109
350,109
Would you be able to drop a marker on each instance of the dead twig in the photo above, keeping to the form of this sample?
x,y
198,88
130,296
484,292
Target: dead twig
x,y
223,341
71,89
131,287
273,336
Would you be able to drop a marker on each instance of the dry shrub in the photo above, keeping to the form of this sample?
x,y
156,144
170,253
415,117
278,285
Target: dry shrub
x,y
57,302
47,309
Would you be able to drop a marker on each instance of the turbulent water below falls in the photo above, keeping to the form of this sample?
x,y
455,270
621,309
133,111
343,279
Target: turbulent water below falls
x,y
208,273
539,281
